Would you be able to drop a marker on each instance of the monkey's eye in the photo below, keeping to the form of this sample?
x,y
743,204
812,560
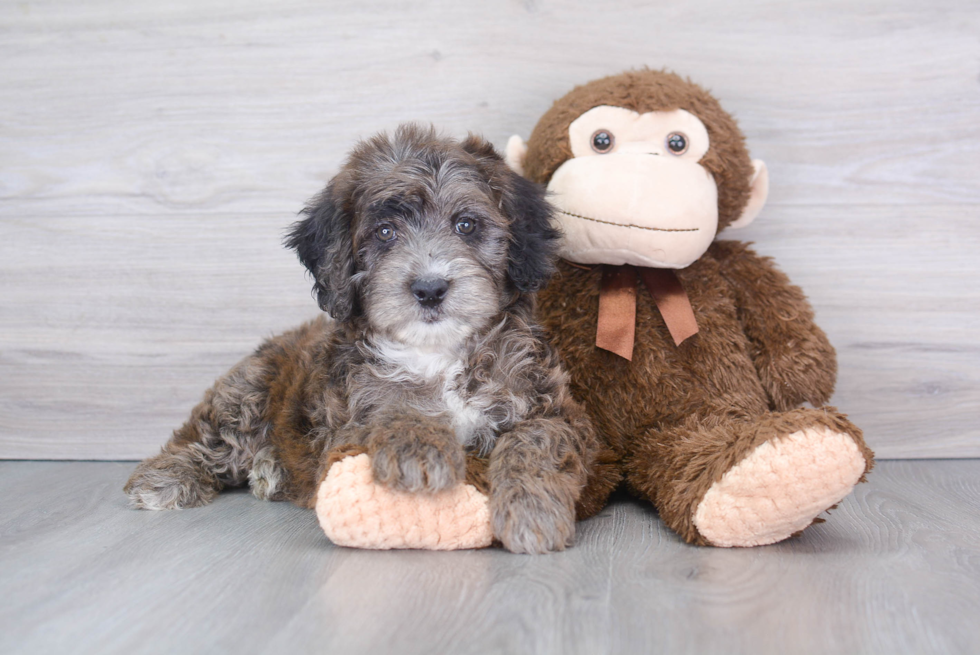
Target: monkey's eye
x,y
465,225
602,141
677,143
385,232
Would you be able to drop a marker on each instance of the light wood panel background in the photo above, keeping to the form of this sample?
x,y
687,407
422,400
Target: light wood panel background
x,y
151,155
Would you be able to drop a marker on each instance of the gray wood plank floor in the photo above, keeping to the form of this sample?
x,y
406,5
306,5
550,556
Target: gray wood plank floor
x,y
151,154
896,569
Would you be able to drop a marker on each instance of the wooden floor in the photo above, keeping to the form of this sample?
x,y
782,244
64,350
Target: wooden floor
x,y
896,569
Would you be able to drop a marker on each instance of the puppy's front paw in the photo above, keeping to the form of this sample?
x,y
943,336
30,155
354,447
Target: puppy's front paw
x,y
417,455
531,520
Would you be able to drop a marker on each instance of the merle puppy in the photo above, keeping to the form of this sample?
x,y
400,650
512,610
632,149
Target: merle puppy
x,y
425,252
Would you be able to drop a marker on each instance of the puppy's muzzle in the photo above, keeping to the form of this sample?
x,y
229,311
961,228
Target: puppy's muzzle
x,y
430,292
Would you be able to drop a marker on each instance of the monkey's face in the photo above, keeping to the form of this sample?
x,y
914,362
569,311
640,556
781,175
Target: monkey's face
x,y
634,191
645,167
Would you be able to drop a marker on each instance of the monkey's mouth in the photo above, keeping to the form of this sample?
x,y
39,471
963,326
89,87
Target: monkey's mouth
x,y
630,225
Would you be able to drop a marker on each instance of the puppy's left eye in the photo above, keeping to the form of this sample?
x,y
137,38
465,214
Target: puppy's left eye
x,y
465,225
385,232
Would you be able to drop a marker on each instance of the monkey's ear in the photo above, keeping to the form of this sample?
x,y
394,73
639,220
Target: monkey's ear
x,y
759,185
323,243
514,154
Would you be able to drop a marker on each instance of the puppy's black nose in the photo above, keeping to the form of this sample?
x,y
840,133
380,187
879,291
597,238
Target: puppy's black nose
x,y
430,291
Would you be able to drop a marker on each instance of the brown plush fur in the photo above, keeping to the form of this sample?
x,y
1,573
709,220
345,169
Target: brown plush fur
x,y
421,387
676,418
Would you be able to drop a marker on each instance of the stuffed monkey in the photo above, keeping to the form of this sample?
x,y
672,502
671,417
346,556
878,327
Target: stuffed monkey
x,y
692,356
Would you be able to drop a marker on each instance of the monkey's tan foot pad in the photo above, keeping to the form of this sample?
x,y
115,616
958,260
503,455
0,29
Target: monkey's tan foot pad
x,y
779,488
357,512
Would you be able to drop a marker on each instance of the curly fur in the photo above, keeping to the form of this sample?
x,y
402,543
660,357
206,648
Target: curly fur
x,y
468,389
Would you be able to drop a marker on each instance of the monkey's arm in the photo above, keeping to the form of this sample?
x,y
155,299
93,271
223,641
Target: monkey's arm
x,y
795,361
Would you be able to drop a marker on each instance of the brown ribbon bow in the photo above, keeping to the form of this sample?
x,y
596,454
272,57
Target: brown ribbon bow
x,y
617,307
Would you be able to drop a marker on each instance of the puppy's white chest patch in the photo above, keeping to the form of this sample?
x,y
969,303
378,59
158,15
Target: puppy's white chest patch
x,y
467,417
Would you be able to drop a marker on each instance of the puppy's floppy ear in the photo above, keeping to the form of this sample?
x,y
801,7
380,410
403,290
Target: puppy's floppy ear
x,y
322,240
534,235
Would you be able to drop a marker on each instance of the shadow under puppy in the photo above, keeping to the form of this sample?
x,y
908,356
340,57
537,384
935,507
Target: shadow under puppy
x,y
425,254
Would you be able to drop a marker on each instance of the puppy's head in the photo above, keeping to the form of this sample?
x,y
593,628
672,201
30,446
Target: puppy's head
x,y
425,237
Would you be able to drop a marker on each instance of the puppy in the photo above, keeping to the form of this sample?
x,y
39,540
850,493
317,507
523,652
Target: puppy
x,y
425,253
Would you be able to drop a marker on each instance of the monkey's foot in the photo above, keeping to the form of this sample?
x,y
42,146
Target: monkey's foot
x,y
780,488
357,512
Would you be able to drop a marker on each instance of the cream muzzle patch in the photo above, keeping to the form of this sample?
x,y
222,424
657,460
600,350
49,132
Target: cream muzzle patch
x,y
626,209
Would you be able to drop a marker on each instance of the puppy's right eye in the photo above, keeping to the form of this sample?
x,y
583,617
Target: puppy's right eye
x,y
385,233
